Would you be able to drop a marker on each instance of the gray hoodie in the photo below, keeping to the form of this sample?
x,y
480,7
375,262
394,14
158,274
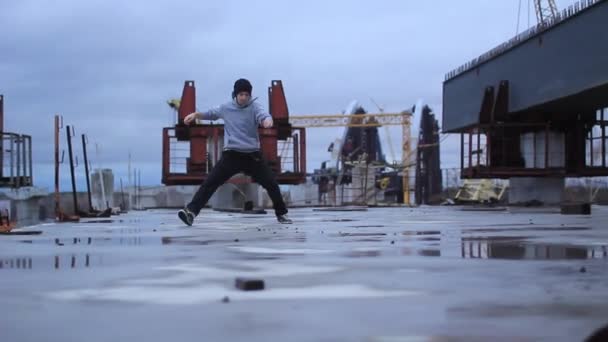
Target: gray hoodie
x,y
240,124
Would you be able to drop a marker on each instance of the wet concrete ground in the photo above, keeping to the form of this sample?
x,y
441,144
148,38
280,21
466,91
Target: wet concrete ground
x,y
386,274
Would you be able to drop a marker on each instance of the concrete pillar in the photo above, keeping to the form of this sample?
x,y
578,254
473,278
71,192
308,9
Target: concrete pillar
x,y
549,191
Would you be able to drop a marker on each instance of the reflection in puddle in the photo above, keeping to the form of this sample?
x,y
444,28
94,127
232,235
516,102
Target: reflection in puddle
x,y
124,231
527,229
429,239
22,263
189,241
361,234
518,250
421,232
429,252
369,253
100,241
71,261
339,220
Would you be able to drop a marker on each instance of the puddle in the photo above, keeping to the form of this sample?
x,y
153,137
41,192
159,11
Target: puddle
x,y
366,240
124,231
277,251
429,239
429,252
189,241
197,241
339,220
363,253
98,241
372,226
514,249
421,232
360,234
529,228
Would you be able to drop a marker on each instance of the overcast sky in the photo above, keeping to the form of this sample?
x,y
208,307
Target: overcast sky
x,y
109,66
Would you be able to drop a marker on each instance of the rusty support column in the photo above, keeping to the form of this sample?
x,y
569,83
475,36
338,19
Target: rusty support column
x,y
57,208
12,157
603,139
25,159
591,145
69,136
187,103
86,171
547,146
296,153
303,151
488,147
216,145
461,151
31,170
470,151
166,168
534,149
478,147
17,183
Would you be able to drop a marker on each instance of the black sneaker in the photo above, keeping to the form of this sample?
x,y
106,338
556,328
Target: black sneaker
x,y
284,219
186,216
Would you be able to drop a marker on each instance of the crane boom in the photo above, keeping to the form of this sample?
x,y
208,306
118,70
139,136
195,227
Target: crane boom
x,y
353,120
546,10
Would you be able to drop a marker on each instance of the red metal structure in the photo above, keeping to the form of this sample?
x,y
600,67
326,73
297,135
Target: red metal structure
x,y
190,152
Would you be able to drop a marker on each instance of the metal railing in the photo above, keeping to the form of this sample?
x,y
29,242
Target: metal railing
x,y
16,160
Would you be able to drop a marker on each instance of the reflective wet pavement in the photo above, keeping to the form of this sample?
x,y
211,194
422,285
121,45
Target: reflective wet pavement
x,y
386,274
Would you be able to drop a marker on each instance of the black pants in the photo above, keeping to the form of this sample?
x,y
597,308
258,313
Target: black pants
x,y
231,163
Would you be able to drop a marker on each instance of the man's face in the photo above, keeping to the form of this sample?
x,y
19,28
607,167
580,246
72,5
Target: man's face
x,y
242,98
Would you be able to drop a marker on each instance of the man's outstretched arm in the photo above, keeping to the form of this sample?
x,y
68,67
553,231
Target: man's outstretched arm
x,y
211,114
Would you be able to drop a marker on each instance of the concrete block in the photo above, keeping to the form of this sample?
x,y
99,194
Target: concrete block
x,y
576,209
249,284
549,191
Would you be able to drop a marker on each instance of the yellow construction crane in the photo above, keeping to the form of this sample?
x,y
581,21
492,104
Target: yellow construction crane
x,y
402,119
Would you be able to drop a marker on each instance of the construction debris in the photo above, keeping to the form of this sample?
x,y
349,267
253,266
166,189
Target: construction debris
x,y
576,209
479,191
249,284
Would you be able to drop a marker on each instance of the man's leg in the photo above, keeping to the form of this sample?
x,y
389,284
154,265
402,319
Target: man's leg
x,y
225,168
263,175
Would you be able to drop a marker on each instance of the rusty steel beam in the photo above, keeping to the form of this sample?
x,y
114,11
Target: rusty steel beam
x,y
86,171
69,133
57,205
603,139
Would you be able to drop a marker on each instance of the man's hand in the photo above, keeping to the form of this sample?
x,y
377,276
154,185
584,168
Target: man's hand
x,y
190,118
267,123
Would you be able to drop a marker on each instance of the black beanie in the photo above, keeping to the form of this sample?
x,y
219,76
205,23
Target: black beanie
x,y
241,85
